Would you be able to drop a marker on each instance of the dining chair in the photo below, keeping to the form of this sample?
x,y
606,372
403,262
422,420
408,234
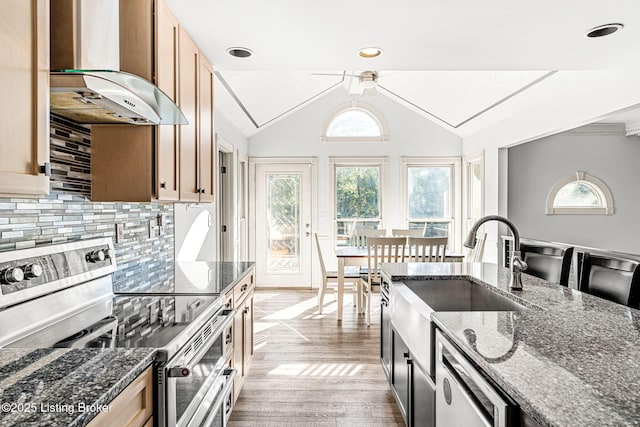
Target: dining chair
x,y
360,235
548,262
406,232
426,249
475,254
379,250
351,274
612,278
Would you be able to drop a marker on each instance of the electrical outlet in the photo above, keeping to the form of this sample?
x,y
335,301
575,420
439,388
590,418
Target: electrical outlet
x,y
119,232
153,228
162,222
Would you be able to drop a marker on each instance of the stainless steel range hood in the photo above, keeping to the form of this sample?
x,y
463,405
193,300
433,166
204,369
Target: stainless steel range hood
x,y
87,85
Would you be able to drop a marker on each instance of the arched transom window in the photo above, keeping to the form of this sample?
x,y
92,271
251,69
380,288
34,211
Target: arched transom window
x,y
355,122
579,194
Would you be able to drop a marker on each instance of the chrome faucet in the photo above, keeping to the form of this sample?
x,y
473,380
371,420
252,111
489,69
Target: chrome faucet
x,y
517,264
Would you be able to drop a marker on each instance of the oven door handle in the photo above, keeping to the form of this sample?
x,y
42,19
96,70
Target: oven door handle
x,y
183,371
230,374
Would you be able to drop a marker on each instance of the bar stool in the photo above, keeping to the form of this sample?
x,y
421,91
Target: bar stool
x,y
611,278
551,263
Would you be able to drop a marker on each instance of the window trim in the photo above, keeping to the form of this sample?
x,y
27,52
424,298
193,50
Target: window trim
x,y
468,160
455,237
379,161
366,108
597,184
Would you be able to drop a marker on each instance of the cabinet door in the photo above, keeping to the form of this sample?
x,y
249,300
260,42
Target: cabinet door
x,y
400,373
207,135
24,84
188,97
423,397
167,142
238,354
248,332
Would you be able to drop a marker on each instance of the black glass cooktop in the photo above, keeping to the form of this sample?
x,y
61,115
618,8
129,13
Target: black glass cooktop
x,y
196,277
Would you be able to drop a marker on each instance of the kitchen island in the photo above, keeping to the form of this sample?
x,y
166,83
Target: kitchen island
x,y
568,359
65,387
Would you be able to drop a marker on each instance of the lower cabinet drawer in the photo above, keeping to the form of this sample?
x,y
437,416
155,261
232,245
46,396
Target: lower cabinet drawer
x,y
133,407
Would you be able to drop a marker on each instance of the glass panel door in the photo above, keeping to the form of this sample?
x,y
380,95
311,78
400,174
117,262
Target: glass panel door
x,y
283,222
283,250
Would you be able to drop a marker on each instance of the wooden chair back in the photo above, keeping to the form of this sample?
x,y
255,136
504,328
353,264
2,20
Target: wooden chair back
x,y
322,266
427,249
383,249
406,232
360,236
475,254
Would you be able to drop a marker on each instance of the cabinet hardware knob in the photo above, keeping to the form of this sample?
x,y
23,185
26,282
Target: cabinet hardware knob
x,y
46,169
163,185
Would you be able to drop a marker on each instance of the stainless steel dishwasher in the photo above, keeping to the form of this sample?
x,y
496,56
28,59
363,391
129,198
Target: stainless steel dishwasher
x,y
464,397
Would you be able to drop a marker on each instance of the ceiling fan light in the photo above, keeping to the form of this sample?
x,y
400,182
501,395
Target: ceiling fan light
x,y
367,84
370,52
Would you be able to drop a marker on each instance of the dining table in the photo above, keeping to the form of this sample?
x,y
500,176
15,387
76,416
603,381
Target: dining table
x,y
358,256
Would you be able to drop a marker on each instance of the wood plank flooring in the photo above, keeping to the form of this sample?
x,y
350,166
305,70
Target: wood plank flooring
x,y
310,370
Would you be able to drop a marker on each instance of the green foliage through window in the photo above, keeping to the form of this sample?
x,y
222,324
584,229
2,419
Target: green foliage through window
x,y
429,190
357,192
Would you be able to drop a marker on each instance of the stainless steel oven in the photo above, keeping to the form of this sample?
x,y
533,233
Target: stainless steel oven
x,y
62,296
194,382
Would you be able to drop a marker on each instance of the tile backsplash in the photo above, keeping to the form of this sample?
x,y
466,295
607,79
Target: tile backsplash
x,y
67,214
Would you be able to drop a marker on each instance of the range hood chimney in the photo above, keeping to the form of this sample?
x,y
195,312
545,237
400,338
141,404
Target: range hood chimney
x,y
87,85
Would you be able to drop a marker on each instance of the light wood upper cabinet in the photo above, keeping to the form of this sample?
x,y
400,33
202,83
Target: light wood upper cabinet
x,y
168,146
141,163
24,84
167,163
174,163
197,139
207,135
188,102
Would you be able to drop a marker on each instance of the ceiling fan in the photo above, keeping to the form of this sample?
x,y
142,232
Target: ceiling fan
x,y
367,80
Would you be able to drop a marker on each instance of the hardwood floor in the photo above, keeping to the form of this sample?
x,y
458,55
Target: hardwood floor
x,y
310,370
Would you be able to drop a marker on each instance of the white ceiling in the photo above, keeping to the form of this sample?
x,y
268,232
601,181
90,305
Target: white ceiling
x,y
450,61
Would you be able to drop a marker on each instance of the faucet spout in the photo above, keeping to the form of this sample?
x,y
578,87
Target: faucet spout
x,y
517,263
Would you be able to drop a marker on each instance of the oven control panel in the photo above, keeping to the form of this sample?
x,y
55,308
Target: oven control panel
x,y
20,274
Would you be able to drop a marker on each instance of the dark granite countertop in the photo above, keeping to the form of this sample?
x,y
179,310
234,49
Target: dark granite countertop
x,y
196,277
60,387
573,359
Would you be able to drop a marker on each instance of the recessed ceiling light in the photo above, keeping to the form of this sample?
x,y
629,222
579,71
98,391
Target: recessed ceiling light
x,y
370,52
604,30
239,52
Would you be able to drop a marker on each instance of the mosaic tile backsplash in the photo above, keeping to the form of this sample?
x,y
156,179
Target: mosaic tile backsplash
x,y
67,214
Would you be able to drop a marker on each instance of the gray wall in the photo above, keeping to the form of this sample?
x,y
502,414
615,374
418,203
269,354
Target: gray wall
x,y
601,150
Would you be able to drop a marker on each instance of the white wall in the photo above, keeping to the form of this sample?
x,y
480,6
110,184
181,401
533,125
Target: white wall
x,y
229,132
600,150
409,135
564,101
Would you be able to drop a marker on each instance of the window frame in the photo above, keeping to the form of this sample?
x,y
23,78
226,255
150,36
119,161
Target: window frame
x,y
455,163
334,162
597,184
365,108
468,161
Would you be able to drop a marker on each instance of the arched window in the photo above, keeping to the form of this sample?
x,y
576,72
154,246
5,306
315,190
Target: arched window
x,y
355,122
579,194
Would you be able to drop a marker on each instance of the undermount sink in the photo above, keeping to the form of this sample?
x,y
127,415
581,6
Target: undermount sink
x,y
460,295
413,301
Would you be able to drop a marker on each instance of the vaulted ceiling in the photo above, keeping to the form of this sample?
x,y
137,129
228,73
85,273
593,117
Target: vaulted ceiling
x,y
452,62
